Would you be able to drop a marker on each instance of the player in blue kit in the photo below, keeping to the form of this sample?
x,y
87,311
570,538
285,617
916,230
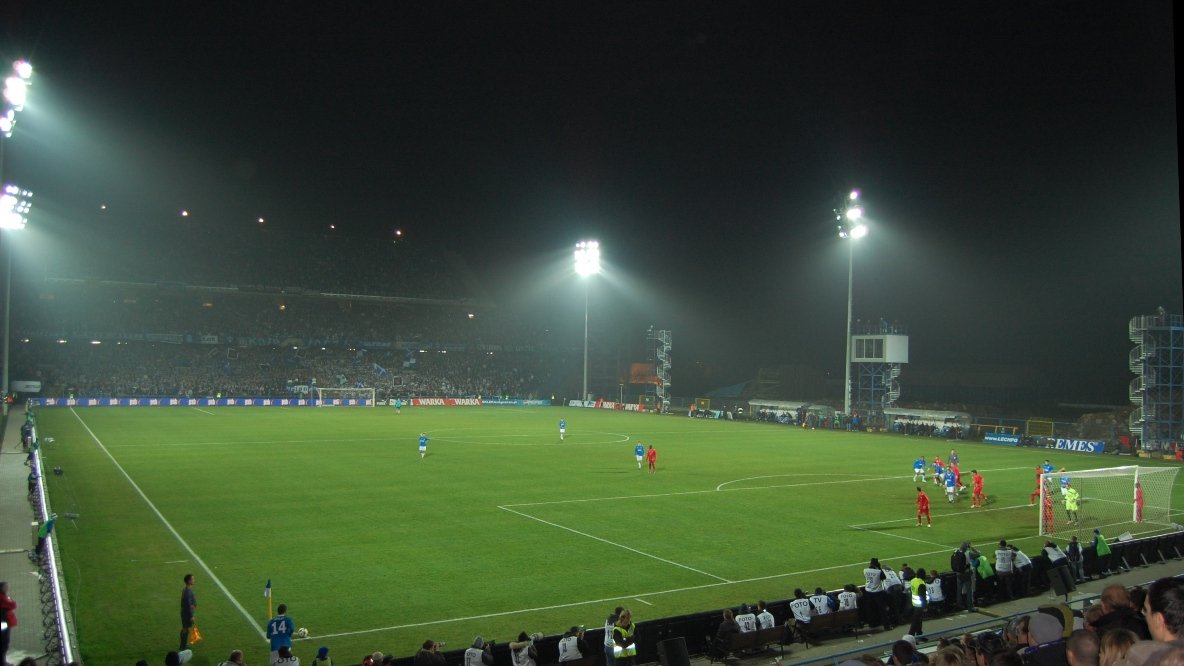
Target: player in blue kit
x,y
1065,481
639,451
1047,467
562,428
423,445
951,487
919,469
939,472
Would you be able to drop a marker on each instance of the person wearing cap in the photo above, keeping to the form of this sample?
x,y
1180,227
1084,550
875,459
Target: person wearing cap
x,y
323,658
1046,641
480,654
573,646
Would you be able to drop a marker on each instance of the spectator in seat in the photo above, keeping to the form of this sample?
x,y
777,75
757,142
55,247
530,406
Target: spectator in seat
x,y
1119,613
1164,609
1114,645
1046,642
1082,648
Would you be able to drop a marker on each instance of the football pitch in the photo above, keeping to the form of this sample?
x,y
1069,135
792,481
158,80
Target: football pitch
x,y
501,528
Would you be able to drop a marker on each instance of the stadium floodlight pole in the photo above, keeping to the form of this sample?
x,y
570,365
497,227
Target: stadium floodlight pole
x,y
14,206
587,258
851,227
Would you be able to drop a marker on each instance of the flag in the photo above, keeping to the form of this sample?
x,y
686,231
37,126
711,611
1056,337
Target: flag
x,y
379,370
267,593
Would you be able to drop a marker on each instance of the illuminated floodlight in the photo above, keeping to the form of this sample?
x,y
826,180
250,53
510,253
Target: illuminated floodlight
x,y
859,231
23,69
854,213
587,257
16,91
184,213
15,205
854,195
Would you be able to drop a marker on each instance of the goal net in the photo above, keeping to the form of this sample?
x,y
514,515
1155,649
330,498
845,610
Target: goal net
x,y
1133,499
344,397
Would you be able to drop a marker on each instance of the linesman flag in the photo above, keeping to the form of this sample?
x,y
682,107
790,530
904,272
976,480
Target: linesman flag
x,y
267,593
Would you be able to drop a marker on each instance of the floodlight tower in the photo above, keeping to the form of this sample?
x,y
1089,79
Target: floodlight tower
x,y
14,206
14,202
851,228
587,258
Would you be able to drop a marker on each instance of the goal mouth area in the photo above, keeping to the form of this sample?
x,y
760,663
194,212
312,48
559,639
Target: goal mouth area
x,y
1134,499
344,397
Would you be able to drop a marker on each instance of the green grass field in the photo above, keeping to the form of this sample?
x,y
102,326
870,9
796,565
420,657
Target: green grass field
x,y
502,528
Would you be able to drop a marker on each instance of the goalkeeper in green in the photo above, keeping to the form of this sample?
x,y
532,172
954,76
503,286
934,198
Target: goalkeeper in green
x,y
1072,503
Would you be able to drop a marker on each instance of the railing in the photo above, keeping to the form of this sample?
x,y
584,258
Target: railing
x,y
61,644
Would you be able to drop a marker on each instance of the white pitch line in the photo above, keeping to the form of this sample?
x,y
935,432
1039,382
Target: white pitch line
x,y
606,600
204,411
642,601
618,545
898,536
169,526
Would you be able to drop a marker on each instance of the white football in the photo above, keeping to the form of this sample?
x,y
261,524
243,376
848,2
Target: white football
x,y
301,633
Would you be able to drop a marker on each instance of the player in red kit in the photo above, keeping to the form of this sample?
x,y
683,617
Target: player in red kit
x,y
651,457
923,507
1036,493
977,498
957,477
1046,508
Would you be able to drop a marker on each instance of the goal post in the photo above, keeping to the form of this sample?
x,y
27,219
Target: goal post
x,y
1133,498
344,397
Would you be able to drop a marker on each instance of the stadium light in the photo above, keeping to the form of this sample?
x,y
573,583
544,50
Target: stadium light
x,y
14,206
851,228
16,93
587,258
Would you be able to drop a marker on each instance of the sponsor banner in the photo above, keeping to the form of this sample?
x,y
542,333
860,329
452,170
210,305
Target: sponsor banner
x,y
198,402
1082,445
444,402
1001,438
537,403
499,401
30,386
581,403
208,340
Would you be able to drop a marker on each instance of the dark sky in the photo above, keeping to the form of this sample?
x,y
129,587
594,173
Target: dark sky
x,y
1018,160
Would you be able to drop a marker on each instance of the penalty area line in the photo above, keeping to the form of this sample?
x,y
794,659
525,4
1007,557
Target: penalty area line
x,y
617,545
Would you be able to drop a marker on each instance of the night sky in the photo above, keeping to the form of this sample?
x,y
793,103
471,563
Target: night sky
x,y
1018,160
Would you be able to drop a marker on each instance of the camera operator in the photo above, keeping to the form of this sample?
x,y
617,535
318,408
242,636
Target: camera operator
x,y
429,655
481,654
523,651
572,646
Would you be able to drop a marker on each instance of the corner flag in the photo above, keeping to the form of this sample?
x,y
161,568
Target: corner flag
x,y
267,593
